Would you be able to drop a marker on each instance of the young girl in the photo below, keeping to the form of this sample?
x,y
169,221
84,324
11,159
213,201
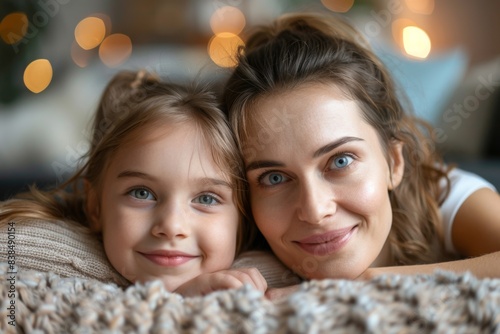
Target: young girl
x,y
343,182
163,184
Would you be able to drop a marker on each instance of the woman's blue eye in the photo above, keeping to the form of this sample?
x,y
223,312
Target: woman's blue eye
x,y
341,161
206,200
141,193
273,179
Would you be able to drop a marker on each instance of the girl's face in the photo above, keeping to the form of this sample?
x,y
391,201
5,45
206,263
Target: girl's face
x,y
165,208
319,181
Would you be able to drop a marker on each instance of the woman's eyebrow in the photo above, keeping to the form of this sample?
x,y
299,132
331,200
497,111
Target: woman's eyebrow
x,y
322,150
333,145
263,164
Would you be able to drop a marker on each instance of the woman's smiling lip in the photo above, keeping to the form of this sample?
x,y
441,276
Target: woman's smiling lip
x,y
168,258
327,243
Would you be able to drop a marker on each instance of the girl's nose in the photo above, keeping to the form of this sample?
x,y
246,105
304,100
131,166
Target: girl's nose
x,y
317,200
171,222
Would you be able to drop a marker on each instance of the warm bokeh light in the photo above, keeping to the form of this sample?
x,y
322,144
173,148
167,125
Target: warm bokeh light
x,y
115,49
397,27
106,20
227,19
416,42
425,7
223,48
80,56
13,27
339,6
38,75
90,32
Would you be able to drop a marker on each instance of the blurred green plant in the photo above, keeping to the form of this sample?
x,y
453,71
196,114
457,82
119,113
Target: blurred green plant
x,y
14,57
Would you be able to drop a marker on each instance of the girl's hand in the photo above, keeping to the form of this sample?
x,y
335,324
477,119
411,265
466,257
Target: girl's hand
x,y
222,280
278,293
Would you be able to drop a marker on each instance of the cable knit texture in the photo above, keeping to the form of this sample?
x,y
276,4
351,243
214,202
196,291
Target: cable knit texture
x,y
439,303
62,283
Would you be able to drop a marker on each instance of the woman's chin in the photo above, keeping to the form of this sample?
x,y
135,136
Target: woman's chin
x,y
333,273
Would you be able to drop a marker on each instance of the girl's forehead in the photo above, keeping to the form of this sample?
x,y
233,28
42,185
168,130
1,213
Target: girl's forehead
x,y
181,138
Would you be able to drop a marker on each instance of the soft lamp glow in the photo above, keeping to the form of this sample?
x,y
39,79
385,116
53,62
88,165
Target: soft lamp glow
x,y
90,32
223,48
115,49
80,56
13,27
339,6
416,42
227,19
397,28
425,7
38,75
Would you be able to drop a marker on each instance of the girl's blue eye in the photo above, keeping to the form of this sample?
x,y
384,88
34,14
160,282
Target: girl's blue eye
x,y
142,193
273,178
206,200
341,161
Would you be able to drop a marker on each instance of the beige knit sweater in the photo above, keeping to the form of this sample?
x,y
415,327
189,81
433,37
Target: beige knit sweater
x,y
69,249
62,247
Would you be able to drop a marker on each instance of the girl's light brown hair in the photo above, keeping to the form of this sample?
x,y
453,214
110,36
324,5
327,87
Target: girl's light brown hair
x,y
300,49
132,103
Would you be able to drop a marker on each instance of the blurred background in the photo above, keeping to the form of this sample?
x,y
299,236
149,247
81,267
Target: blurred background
x,y
56,56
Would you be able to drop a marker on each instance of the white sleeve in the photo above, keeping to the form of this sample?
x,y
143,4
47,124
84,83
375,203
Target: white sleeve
x,y
462,185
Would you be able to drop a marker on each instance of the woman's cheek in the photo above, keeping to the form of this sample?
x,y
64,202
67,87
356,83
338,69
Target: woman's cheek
x,y
267,213
370,199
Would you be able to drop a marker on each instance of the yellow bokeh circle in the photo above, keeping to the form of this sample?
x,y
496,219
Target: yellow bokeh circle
x,y
38,75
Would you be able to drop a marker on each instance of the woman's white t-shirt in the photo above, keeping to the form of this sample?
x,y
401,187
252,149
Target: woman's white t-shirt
x,y
462,185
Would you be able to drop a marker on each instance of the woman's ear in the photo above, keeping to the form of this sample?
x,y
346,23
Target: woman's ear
x,y
92,207
396,164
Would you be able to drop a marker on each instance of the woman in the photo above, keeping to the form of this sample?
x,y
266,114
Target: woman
x,y
344,183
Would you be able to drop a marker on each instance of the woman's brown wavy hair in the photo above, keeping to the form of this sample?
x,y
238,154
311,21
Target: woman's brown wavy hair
x,y
131,104
302,49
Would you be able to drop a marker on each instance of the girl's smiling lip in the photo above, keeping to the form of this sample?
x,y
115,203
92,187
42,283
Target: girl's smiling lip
x,y
327,243
168,258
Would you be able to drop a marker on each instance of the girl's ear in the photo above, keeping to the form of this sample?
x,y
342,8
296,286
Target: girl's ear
x,y
92,207
397,164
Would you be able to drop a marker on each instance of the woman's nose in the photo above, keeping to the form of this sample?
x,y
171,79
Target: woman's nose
x,y
317,200
171,222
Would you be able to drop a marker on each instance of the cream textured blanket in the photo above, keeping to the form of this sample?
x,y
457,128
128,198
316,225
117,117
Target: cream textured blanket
x,y
439,303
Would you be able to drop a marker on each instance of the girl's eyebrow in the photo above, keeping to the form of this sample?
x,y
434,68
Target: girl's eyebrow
x,y
319,152
133,173
202,180
214,182
333,145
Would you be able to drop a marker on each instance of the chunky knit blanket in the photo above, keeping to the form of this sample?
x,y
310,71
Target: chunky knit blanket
x,y
438,303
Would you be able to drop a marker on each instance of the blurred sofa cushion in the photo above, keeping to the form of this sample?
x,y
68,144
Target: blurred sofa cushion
x,y
468,119
427,84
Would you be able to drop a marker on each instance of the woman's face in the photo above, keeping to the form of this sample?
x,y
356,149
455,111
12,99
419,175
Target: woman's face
x,y
319,181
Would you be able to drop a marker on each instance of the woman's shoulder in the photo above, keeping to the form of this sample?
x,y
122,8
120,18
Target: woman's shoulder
x,y
464,179
462,185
